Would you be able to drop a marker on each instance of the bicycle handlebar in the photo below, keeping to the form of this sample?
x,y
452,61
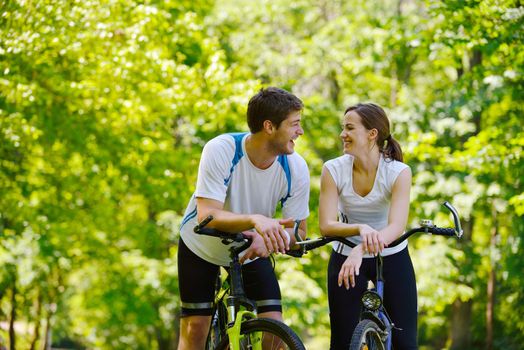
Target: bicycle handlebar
x,y
227,237
310,244
426,226
233,237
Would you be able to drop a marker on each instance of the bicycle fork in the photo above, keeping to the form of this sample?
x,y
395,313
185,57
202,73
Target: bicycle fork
x,y
372,300
383,317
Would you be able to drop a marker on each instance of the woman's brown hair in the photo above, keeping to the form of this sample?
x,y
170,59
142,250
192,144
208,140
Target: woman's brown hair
x,y
374,117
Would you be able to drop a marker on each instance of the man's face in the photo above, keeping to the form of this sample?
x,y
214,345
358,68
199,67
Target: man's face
x,y
283,140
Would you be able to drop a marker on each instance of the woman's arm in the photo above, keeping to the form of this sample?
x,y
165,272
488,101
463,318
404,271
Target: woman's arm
x,y
372,241
328,209
399,208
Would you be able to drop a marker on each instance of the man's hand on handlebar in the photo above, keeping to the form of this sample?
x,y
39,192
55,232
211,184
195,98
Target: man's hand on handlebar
x,y
271,230
257,249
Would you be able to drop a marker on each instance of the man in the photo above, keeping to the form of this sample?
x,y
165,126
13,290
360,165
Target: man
x,y
242,178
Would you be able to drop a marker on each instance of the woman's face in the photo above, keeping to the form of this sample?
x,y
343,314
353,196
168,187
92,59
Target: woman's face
x,y
355,136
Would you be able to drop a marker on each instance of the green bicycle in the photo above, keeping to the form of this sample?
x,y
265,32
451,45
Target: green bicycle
x,y
234,323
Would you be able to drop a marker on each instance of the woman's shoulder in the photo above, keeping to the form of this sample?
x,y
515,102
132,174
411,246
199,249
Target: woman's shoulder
x,y
343,160
391,170
339,168
394,165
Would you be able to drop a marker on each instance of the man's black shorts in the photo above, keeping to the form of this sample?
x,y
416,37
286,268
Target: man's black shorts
x,y
197,277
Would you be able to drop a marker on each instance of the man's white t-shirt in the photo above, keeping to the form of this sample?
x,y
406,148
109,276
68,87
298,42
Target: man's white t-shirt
x,y
372,209
227,175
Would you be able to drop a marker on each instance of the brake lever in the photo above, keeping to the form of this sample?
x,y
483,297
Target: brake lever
x,y
458,228
297,237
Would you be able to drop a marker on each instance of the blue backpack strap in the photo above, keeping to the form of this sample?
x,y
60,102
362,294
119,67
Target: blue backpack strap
x,y
282,159
236,158
238,137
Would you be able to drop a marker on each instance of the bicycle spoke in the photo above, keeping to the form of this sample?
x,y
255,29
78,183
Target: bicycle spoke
x,y
275,342
269,341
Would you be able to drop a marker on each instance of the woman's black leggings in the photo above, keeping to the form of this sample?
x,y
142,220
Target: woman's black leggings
x,y
400,299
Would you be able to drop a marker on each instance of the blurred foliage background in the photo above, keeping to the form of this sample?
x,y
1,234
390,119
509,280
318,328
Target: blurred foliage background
x,y
105,106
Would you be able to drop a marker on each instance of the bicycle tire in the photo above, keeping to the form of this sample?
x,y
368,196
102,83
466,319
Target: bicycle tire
x,y
219,314
216,329
367,336
283,337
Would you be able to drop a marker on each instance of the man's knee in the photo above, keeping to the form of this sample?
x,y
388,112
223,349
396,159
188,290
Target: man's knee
x,y
275,315
193,330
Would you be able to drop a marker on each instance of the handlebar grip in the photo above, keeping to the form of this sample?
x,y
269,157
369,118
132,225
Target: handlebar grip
x,y
206,231
203,223
296,253
316,244
441,231
234,237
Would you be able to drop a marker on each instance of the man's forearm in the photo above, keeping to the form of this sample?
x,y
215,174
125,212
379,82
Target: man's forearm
x,y
226,221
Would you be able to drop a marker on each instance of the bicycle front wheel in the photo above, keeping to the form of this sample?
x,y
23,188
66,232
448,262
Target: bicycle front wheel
x,y
367,336
272,334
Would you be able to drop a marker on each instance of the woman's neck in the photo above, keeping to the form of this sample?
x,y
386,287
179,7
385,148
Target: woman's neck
x,y
368,163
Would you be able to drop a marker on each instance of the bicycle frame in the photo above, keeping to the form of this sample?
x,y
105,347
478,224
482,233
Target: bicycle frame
x,y
243,327
239,307
236,301
382,316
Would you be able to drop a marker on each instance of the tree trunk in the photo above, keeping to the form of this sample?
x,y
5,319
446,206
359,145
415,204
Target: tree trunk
x,y
476,58
48,340
12,318
460,325
490,307
162,341
36,331
461,310
176,330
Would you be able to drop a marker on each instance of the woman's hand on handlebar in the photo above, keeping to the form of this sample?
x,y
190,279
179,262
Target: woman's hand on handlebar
x,y
372,242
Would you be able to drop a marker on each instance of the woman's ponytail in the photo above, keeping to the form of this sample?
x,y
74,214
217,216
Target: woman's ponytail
x,y
392,149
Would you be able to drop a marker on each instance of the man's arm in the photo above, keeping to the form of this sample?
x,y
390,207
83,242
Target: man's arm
x,y
222,220
270,229
302,231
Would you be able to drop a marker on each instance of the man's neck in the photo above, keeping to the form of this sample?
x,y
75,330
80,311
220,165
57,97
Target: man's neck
x,y
259,152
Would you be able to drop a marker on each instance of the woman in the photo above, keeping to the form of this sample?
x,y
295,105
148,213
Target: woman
x,y
365,196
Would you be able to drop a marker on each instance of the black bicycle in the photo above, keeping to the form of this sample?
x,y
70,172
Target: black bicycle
x,y
374,331
234,324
